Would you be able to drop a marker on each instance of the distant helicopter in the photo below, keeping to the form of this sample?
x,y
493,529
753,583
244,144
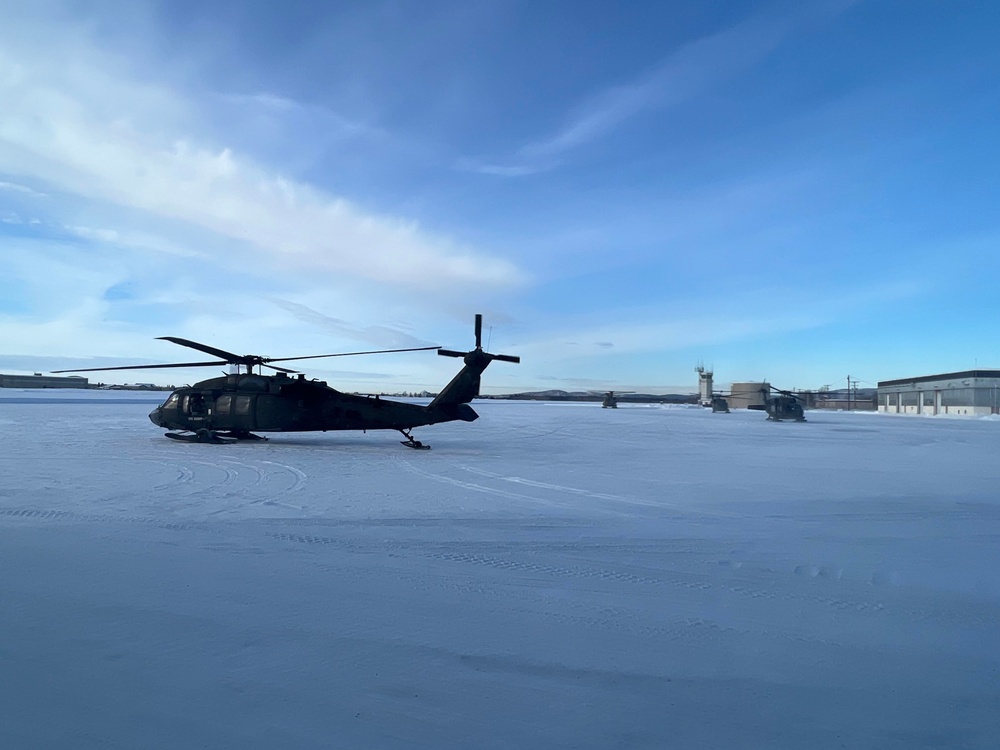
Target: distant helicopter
x,y
719,405
236,406
610,400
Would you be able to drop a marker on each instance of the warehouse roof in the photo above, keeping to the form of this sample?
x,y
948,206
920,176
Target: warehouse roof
x,y
943,376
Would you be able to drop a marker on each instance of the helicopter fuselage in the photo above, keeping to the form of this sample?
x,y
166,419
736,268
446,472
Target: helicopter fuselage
x,y
247,403
784,408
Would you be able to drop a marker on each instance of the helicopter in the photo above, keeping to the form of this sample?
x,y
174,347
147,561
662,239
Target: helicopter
x,y
610,400
785,406
719,405
238,405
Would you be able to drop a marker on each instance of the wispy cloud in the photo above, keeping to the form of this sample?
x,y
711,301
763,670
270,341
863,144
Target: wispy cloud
x,y
680,76
322,118
88,131
22,189
376,335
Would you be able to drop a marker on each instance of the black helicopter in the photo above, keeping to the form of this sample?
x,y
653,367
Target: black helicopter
x,y
719,405
610,400
782,407
236,406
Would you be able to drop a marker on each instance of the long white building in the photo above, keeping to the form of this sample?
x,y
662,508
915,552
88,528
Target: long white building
x,y
43,381
972,392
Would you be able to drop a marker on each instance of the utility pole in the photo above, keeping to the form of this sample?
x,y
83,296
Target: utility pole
x,y
848,393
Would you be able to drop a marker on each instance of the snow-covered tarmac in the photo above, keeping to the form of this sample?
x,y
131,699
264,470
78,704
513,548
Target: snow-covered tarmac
x,y
550,576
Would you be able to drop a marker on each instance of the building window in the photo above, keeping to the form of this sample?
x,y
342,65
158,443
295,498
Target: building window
x,y
957,397
928,398
985,397
911,398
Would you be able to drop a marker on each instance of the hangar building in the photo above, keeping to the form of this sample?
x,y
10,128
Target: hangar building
x,y
43,381
971,392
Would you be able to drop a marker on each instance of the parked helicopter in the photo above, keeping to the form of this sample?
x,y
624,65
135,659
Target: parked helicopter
x,y
785,406
610,400
719,405
237,406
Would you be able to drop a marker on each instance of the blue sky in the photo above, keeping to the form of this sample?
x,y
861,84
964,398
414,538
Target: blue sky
x,y
782,190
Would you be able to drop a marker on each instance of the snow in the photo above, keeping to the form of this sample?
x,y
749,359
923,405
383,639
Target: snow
x,y
548,576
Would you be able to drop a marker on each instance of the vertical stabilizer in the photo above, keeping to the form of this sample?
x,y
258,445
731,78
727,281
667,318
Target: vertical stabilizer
x,y
465,385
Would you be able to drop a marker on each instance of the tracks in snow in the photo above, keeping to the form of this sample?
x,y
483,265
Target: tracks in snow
x,y
538,493
535,570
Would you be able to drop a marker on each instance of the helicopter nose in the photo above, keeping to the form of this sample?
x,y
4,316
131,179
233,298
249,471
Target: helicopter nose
x,y
154,416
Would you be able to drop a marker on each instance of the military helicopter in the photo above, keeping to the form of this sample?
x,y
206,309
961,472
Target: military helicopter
x,y
719,405
610,400
785,406
239,405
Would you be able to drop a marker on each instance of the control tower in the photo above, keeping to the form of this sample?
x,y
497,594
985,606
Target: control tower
x,y
704,385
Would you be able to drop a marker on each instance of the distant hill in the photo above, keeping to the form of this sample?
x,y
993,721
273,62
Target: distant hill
x,y
586,396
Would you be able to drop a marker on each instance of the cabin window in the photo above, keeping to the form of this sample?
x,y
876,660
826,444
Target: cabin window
x,y
194,405
223,404
242,405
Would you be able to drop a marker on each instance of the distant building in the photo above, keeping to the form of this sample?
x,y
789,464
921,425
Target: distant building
x,y
745,395
856,399
971,392
43,381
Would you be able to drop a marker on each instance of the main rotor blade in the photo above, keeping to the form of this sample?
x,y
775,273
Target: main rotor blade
x,y
348,354
145,367
479,331
451,353
508,358
228,356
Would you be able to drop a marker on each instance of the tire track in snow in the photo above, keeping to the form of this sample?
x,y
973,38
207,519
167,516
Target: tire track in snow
x,y
66,515
596,495
836,596
959,613
299,480
471,486
230,474
184,476
262,477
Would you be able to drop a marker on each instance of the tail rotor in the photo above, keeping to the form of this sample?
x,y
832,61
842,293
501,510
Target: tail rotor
x,y
465,385
478,355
